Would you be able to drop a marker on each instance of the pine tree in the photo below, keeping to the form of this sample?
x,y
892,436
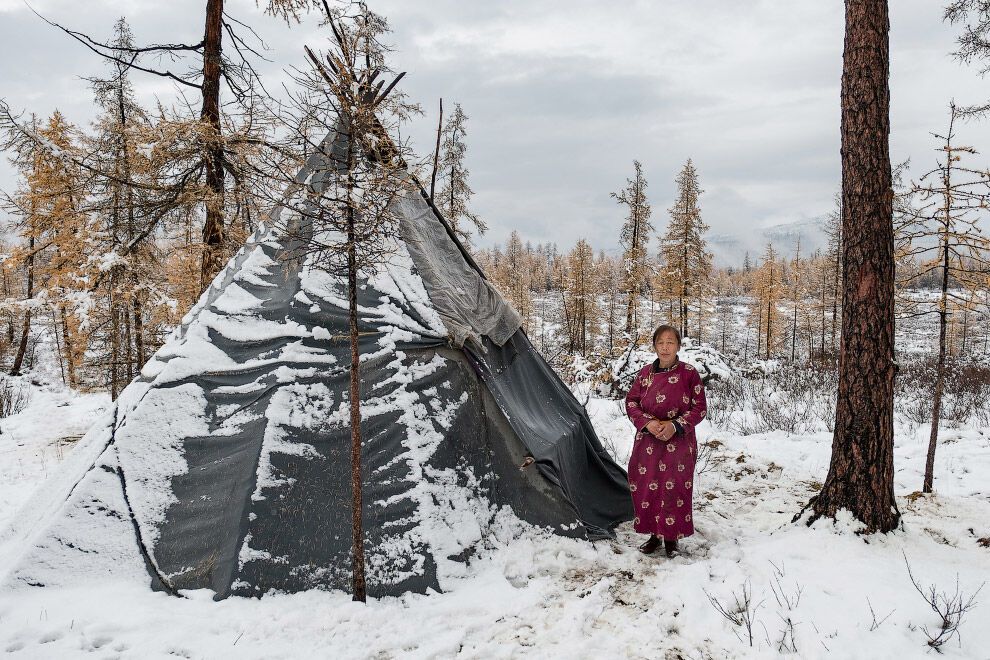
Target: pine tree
x,y
455,194
686,262
861,472
634,239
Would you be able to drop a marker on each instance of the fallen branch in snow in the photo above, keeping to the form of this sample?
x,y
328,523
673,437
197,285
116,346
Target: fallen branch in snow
x,y
949,607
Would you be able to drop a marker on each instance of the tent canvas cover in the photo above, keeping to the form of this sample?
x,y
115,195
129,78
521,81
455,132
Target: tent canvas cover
x,y
226,464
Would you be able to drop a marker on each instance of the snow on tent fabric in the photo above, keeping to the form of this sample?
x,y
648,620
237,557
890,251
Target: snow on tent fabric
x,y
226,464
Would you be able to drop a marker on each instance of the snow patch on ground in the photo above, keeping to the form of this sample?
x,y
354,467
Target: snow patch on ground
x,y
533,593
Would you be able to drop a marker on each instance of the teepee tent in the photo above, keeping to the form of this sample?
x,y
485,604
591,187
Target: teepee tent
x,y
226,464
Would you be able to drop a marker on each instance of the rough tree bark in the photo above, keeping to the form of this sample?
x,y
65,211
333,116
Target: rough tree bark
x,y
213,228
861,474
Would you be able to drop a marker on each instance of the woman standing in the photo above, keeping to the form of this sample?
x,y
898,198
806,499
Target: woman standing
x,y
665,403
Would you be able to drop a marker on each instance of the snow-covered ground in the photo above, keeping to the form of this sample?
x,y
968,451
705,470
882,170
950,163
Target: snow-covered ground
x,y
815,592
34,441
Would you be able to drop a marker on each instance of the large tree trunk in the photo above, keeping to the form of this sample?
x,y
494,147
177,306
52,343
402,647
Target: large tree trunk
x,y
861,474
15,369
213,229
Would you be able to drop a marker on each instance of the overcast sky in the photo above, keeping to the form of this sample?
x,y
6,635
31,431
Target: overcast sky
x,y
562,95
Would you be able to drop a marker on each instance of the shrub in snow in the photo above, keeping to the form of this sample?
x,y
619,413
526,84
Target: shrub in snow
x,y
613,378
14,397
965,399
783,398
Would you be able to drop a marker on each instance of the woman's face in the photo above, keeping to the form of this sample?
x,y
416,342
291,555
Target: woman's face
x,y
666,347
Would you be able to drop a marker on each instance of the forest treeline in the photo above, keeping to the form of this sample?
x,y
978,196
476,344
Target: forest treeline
x,y
116,228
777,305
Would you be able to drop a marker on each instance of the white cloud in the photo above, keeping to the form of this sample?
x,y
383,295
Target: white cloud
x,y
563,95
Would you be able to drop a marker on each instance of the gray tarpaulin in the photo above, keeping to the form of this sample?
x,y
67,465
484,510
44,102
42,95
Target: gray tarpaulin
x,y
231,453
467,303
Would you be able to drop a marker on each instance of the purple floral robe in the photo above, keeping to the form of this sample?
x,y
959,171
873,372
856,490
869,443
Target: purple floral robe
x,y
661,474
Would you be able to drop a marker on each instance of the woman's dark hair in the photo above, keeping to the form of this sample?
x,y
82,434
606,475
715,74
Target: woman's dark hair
x,y
667,328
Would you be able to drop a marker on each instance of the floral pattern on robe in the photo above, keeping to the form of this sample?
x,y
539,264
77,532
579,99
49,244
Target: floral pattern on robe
x,y
661,474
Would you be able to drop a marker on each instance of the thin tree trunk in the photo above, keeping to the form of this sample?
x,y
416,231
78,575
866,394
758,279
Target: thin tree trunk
x,y
69,349
58,347
138,332
943,317
436,156
128,355
770,301
357,532
633,266
821,351
861,473
15,370
114,349
213,228
759,330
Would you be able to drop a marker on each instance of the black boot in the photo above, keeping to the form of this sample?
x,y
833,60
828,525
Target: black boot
x,y
650,546
670,547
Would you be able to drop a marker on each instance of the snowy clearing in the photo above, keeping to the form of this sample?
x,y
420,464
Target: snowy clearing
x,y
818,592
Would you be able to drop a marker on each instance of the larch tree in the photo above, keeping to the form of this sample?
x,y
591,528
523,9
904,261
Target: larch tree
x,y
581,298
686,262
944,232
832,276
861,471
634,240
129,276
797,290
355,224
514,277
454,197
55,231
611,280
725,296
220,138
768,291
